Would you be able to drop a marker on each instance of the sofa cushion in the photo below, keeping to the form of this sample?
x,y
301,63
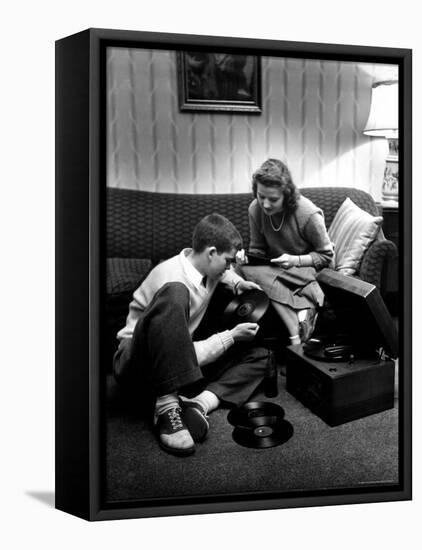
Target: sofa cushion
x,y
129,223
352,231
125,274
176,215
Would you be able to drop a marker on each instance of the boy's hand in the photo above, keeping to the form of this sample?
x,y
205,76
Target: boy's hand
x,y
243,285
285,261
244,332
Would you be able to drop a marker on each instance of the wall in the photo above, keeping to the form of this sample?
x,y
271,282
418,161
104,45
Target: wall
x,y
313,116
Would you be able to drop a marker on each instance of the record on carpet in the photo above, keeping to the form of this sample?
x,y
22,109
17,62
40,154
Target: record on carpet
x,y
263,437
249,307
255,413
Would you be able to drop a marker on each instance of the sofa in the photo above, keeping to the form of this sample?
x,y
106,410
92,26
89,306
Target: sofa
x,y
144,228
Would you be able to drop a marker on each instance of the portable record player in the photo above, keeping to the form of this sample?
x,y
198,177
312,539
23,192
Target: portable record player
x,y
345,379
340,391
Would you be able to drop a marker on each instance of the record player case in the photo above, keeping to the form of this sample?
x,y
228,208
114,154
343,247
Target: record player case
x,y
339,392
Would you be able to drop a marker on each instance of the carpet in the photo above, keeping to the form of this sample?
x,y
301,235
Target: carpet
x,y
355,454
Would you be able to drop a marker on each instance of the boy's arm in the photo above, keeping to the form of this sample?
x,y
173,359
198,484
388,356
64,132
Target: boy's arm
x,y
210,349
237,283
231,279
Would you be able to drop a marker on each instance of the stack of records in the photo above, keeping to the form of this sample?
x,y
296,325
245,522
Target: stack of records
x,y
260,425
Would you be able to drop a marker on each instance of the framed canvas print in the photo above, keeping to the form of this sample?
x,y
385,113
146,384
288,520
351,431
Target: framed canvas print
x,y
233,274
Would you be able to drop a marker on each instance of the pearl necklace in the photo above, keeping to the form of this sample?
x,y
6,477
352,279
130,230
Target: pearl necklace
x,y
281,223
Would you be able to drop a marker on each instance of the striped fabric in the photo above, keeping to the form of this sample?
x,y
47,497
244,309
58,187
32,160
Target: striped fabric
x,y
352,231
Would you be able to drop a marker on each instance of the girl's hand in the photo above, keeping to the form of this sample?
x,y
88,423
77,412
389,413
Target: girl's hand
x,y
286,261
242,285
241,257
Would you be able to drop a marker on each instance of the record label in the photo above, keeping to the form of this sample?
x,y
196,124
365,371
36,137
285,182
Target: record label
x,y
263,431
264,437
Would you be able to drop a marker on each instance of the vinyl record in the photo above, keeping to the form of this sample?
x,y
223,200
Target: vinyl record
x,y
255,413
257,259
249,307
263,437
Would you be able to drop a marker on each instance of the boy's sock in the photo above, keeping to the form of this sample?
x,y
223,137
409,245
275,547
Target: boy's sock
x,y
208,401
195,413
164,403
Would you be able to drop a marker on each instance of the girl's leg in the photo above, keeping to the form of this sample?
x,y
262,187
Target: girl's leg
x,y
289,318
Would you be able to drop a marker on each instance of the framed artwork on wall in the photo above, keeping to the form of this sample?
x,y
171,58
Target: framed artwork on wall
x,y
210,81
138,168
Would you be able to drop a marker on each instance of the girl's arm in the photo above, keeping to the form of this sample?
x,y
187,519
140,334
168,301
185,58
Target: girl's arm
x,y
257,242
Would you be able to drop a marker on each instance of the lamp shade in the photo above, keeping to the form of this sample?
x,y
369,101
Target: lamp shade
x,y
383,116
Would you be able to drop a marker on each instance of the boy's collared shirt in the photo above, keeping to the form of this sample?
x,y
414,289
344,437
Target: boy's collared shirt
x,y
180,269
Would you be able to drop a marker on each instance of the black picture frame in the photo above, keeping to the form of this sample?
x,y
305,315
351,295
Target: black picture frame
x,y
80,280
219,81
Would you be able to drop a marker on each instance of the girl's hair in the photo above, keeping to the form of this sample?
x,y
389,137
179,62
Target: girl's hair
x,y
274,173
216,230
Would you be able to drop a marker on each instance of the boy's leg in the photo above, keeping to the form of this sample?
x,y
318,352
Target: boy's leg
x,y
161,351
232,379
289,317
238,374
162,357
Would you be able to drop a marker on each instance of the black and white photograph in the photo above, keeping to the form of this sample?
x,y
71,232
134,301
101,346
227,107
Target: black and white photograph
x,y
250,343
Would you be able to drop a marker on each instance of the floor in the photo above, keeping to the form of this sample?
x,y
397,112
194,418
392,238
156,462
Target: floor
x,y
357,454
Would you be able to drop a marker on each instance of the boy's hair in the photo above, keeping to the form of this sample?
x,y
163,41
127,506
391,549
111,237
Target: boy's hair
x,y
274,173
216,230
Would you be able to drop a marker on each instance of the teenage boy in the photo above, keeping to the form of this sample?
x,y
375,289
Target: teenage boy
x,y
158,340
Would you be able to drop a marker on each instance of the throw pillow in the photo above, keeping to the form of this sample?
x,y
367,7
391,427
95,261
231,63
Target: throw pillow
x,y
352,231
